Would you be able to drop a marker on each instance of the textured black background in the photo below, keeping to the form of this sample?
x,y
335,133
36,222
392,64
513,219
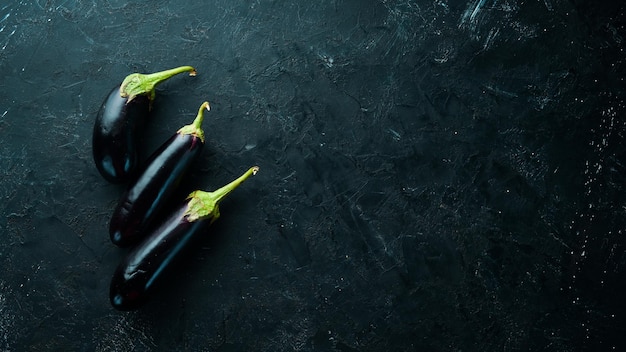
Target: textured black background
x,y
435,175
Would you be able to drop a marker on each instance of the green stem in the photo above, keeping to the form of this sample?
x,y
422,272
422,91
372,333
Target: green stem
x,y
206,204
138,84
195,128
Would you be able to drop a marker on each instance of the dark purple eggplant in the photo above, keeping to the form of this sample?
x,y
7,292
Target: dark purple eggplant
x,y
151,259
147,194
120,118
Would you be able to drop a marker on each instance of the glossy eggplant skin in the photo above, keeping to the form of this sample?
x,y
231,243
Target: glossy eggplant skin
x,y
121,116
114,142
144,266
148,193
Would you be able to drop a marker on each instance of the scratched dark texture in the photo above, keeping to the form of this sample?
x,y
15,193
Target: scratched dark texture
x,y
435,175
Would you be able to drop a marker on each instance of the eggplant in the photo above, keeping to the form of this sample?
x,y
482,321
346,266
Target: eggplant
x,y
148,262
121,116
146,194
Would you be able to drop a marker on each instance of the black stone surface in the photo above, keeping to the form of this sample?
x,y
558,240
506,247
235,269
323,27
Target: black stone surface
x,y
435,175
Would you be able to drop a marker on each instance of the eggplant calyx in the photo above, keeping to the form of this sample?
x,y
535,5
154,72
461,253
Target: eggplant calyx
x,y
195,128
203,204
144,84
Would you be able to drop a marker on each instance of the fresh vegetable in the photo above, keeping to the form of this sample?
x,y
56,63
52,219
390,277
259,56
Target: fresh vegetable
x,y
147,194
121,116
146,263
